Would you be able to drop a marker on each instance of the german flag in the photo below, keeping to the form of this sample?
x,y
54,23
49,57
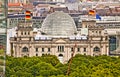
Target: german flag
x,y
91,12
28,17
28,12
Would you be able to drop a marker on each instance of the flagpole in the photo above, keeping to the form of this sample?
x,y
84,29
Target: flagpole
x,y
68,70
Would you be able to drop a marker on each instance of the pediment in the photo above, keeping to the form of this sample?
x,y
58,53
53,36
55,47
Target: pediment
x,y
60,41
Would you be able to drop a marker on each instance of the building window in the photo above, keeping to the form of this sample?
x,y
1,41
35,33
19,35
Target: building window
x,y
36,54
36,49
78,49
96,31
72,50
43,54
96,49
101,38
48,49
42,49
84,49
100,32
60,48
106,38
25,33
25,49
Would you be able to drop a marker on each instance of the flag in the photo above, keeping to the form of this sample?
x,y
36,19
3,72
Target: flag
x,y
28,12
98,17
27,17
91,12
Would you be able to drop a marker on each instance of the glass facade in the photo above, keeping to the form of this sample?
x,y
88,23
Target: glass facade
x,y
59,24
2,36
112,43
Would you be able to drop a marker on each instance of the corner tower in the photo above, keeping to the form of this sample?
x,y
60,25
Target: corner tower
x,y
23,40
24,31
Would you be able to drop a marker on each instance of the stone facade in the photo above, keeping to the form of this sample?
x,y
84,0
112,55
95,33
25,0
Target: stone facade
x,y
26,43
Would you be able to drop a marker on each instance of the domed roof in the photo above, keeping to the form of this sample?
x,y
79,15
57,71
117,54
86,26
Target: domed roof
x,y
59,24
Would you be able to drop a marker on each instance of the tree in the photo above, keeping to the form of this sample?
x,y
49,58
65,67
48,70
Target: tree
x,y
49,66
1,52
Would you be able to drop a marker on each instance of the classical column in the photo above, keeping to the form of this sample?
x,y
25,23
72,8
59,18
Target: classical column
x,y
117,51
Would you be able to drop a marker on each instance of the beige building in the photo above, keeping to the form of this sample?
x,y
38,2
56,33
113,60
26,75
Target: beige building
x,y
59,36
18,1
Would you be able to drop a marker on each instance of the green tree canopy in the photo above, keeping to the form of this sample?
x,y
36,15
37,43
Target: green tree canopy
x,y
50,66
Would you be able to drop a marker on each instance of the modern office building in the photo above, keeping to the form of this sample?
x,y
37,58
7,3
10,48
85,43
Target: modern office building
x,y
2,23
2,36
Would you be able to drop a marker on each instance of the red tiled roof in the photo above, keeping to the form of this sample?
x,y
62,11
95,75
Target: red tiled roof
x,y
14,4
28,6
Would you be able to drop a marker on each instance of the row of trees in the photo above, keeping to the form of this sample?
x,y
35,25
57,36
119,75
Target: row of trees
x,y
2,52
49,66
1,61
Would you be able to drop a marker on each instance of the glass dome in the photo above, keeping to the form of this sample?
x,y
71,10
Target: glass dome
x,y
59,24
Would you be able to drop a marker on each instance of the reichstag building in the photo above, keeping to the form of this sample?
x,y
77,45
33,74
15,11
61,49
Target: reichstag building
x,y
59,36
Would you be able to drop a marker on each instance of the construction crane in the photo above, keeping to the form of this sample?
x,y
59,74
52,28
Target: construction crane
x,y
70,62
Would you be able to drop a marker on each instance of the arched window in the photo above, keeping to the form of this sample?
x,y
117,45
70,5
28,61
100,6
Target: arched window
x,y
25,33
21,33
25,49
96,49
60,55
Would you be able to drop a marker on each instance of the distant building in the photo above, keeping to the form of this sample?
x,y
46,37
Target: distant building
x,y
16,8
18,1
63,1
73,6
107,21
3,25
59,36
14,20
